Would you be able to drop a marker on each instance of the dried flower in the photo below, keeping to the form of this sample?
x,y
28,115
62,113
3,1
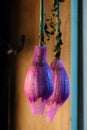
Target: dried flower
x,y
61,88
38,83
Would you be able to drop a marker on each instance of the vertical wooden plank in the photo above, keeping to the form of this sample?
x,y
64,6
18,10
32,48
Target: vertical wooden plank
x,y
85,61
74,62
80,66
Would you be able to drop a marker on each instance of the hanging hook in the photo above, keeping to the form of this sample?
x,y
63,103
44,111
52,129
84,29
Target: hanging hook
x,y
6,48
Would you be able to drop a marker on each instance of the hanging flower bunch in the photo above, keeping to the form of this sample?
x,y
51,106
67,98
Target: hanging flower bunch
x,y
60,77
38,85
43,84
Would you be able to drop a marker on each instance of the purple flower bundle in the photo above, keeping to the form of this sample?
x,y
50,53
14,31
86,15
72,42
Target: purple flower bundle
x,y
61,88
38,83
44,84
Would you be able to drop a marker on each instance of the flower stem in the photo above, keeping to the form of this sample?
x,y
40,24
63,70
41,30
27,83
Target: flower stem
x,y
58,15
59,34
42,23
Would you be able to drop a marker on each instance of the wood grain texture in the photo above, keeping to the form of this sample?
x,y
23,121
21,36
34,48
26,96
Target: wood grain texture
x,y
26,21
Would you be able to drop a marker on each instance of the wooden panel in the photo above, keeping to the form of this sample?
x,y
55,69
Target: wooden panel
x,y
26,20
85,61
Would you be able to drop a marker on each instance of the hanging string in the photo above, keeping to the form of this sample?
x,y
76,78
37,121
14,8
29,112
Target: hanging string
x,y
42,23
57,49
54,28
58,15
